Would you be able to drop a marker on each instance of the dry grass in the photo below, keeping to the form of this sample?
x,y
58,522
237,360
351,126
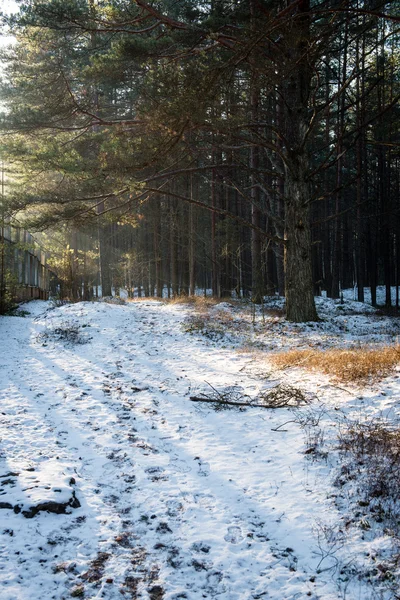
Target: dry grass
x,y
356,365
201,303
145,299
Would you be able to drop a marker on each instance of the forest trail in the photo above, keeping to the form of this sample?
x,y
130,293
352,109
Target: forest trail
x,y
177,500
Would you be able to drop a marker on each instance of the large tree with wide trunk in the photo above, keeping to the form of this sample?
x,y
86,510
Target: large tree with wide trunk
x,y
299,289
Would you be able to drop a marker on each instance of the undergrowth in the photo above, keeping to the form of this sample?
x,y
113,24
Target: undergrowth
x,y
203,324
67,332
374,450
214,323
369,483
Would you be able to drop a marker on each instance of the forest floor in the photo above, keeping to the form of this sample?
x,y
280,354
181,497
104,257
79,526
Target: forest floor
x,y
115,484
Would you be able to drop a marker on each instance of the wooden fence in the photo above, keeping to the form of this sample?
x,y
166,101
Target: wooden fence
x,y
23,269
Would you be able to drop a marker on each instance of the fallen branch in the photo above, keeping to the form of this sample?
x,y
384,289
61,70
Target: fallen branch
x,y
283,395
282,425
277,397
214,401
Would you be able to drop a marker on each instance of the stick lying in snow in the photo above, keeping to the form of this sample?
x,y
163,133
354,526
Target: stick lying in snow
x,y
277,397
211,401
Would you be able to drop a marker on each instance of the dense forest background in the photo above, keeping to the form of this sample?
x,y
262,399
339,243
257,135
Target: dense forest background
x,y
247,147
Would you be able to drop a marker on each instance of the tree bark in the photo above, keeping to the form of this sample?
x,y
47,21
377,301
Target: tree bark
x,y
192,245
256,241
300,305
105,256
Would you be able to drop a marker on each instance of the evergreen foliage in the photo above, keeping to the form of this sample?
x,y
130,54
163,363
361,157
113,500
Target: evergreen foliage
x,y
243,146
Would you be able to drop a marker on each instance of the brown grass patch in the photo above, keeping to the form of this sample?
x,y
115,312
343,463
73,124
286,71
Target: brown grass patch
x,y
199,302
146,299
347,365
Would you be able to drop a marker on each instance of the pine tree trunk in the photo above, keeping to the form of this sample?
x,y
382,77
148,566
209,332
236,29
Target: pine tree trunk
x,y
279,208
214,253
105,257
256,241
157,250
173,250
300,305
192,246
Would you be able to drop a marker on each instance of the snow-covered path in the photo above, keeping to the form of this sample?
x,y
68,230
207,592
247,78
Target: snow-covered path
x,y
176,500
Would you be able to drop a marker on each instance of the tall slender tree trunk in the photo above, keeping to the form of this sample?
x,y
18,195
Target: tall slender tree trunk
x,y
360,156
214,252
256,241
2,250
157,250
104,255
279,201
192,245
173,246
338,235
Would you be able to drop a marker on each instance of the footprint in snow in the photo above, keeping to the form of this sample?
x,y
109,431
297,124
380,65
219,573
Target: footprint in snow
x,y
200,547
174,508
234,535
204,467
180,466
154,470
156,474
206,501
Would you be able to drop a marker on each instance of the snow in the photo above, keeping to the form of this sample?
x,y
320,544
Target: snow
x,y
165,498
351,294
